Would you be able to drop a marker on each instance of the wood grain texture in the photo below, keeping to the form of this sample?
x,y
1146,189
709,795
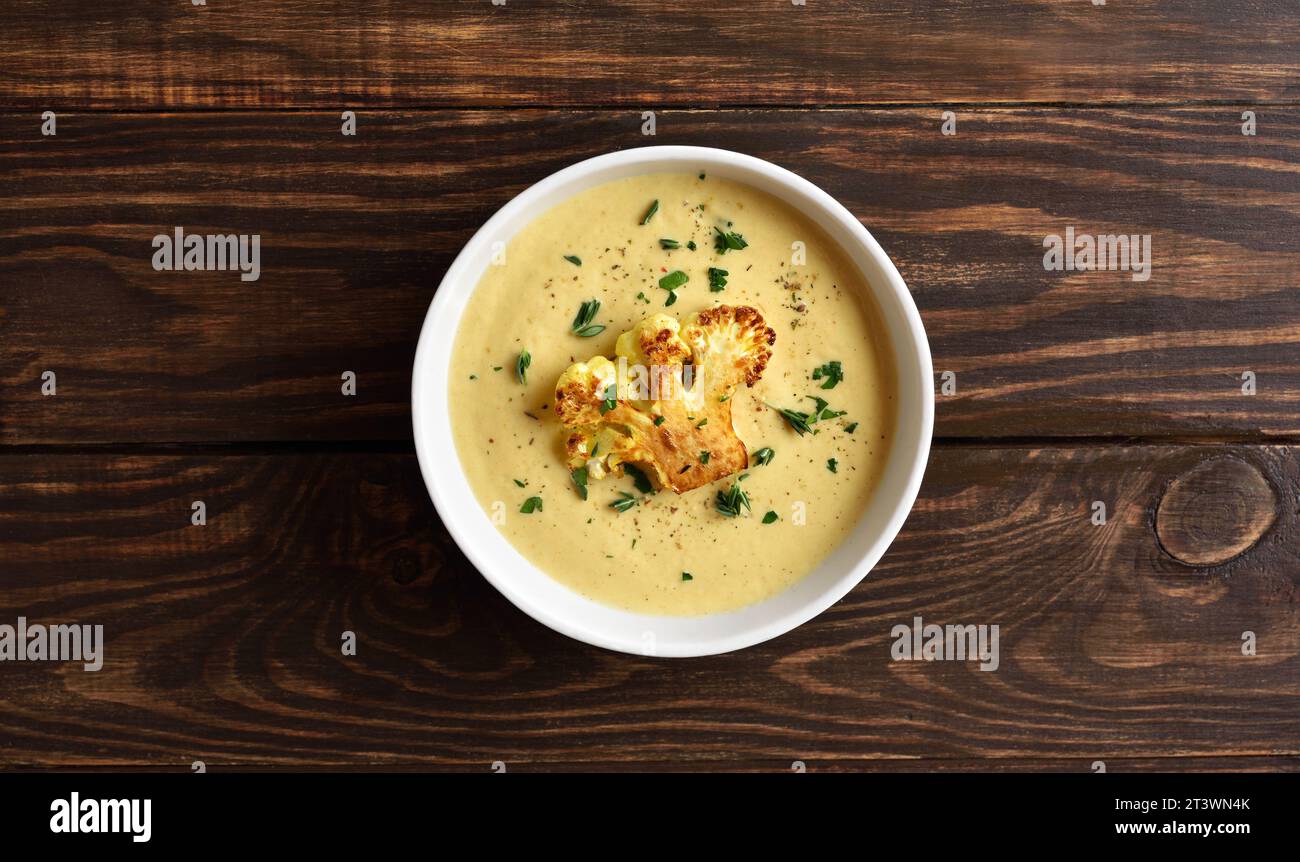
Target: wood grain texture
x,y
1250,764
335,53
223,640
358,231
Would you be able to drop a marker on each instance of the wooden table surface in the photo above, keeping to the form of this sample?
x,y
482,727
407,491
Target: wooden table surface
x,y
1120,643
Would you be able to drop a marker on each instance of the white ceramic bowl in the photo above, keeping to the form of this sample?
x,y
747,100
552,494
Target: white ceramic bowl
x,y
555,605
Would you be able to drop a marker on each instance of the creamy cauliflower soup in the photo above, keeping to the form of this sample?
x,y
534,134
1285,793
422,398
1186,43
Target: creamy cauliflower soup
x,y
673,394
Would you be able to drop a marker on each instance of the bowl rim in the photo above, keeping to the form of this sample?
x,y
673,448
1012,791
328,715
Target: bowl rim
x,y
454,518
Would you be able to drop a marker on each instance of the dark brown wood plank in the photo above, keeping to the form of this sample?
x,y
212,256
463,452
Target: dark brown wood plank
x,y
357,232
1233,765
223,640
335,54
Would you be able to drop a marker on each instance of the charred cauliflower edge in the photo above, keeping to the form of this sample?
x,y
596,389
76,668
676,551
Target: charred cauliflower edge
x,y
677,406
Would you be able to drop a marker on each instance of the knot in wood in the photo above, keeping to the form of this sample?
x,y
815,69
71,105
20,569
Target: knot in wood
x,y
1215,512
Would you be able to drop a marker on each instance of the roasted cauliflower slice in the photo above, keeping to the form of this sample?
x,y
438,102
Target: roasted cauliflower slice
x,y
666,405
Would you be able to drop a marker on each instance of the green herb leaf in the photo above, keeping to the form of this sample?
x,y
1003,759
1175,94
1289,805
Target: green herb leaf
x,y
582,322
822,411
521,365
611,399
573,259
687,576
669,243
797,420
521,484
691,245
579,477
831,414
725,241
770,517
850,428
733,501
624,502
639,479
765,455
717,279
702,422
704,457
659,420
650,213
832,372
532,504
832,465
674,280
672,298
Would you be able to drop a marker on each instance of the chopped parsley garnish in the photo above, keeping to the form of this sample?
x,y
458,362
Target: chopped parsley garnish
x,y
669,243
521,484
639,479
641,296
851,427
573,259
704,457
717,279
702,422
659,420
832,465
671,282
582,325
822,412
674,280
687,576
765,455
832,372
624,502
650,213
770,517
532,504
580,481
732,502
611,399
521,365
691,245
728,240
